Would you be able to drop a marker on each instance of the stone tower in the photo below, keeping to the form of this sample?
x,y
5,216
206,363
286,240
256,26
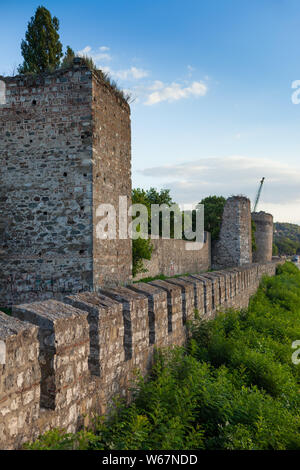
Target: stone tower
x,y
234,247
65,148
263,237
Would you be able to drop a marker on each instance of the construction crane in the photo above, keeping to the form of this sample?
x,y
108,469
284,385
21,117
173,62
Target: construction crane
x,y
258,194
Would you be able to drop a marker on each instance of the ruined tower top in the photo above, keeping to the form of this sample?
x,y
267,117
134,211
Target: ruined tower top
x,y
263,237
234,247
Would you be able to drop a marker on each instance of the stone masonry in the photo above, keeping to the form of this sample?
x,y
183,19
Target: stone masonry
x,y
65,361
234,247
65,147
77,335
170,257
263,237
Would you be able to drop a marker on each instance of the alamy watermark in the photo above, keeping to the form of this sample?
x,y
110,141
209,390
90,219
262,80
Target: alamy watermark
x,y
165,221
296,94
2,92
296,354
2,353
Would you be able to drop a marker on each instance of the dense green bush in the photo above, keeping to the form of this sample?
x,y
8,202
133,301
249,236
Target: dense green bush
x,y
213,213
141,249
233,387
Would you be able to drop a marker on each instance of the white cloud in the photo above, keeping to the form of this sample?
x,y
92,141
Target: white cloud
x,y
148,93
86,50
95,55
157,85
175,92
101,55
191,181
132,73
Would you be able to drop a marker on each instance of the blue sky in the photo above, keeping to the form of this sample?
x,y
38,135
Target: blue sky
x,y
212,86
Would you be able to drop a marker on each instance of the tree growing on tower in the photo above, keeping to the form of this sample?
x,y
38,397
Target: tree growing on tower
x,y
41,48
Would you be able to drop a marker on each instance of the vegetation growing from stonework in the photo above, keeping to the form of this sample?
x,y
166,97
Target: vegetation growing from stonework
x,y
42,50
235,386
141,248
253,230
68,57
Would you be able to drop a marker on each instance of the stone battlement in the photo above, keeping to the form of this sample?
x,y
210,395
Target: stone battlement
x,y
64,361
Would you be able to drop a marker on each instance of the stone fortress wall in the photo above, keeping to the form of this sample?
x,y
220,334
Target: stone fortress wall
x,y
170,257
234,245
74,341
65,147
65,360
263,237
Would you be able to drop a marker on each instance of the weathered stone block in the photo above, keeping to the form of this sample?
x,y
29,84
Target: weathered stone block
x,y
208,304
187,297
176,328
19,379
136,324
198,293
157,312
64,350
107,347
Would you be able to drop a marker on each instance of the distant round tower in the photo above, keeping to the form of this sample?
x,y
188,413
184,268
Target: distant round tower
x,y
263,237
234,245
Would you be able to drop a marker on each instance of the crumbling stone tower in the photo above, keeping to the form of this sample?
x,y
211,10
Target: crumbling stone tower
x,y
263,237
65,147
234,247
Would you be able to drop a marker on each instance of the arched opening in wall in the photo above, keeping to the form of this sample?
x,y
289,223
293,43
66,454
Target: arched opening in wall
x,y
2,92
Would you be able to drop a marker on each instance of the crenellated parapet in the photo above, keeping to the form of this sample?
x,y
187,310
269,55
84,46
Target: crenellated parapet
x,y
63,361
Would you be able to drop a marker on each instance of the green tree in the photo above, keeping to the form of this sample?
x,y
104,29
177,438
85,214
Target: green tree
x,y
141,248
287,247
68,57
152,196
213,212
41,48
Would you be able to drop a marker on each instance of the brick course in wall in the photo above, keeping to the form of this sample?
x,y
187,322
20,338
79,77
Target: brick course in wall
x,y
66,360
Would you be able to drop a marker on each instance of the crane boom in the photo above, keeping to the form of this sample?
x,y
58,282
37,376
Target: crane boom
x,y
258,194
